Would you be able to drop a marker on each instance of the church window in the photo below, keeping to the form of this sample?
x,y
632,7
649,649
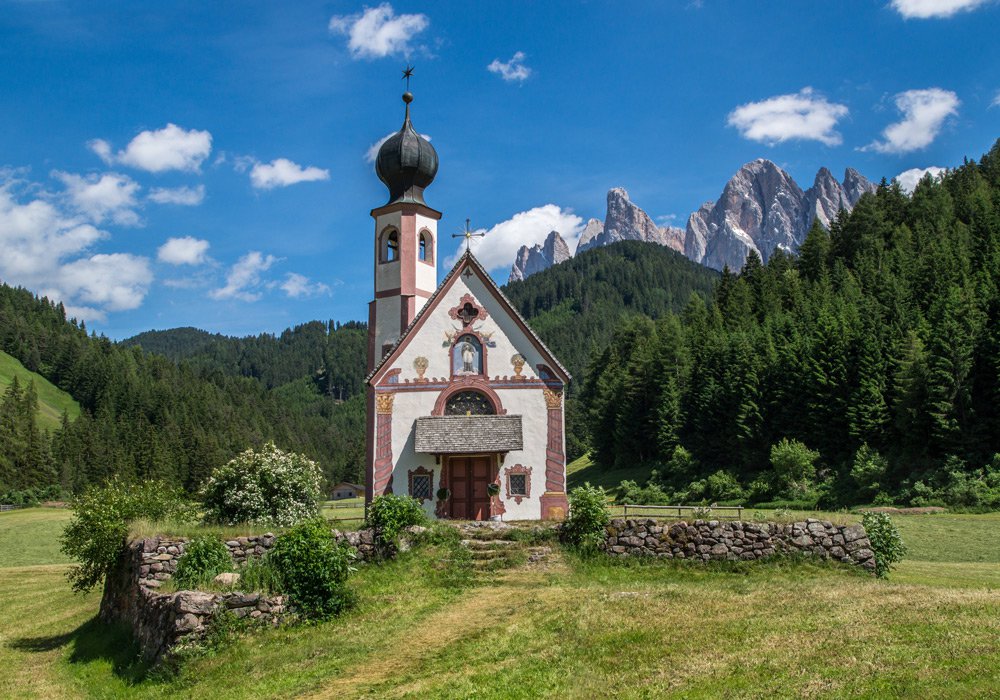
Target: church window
x,y
426,251
469,403
467,356
420,486
518,484
390,247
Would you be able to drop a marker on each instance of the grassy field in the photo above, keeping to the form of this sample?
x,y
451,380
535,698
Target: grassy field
x,y
569,628
52,401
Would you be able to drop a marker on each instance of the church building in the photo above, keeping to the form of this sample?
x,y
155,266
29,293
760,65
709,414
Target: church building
x,y
465,402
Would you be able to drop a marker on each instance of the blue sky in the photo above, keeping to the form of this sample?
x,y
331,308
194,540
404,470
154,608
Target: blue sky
x,y
204,164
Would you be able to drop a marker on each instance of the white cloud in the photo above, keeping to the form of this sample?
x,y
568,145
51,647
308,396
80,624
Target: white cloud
x,y
803,115
185,196
908,179
47,250
283,172
372,151
298,286
498,248
115,282
378,32
244,277
996,100
926,9
185,250
924,113
98,197
169,148
512,70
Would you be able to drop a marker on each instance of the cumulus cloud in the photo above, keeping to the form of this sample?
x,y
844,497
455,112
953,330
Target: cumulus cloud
x,y
185,250
185,196
282,173
804,115
169,148
926,9
513,70
297,286
108,196
908,179
498,248
924,113
244,277
372,151
47,249
378,31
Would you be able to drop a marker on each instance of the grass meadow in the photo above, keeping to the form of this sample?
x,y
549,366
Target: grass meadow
x,y
576,628
52,401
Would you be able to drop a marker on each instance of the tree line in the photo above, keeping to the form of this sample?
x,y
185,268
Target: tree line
x,y
866,368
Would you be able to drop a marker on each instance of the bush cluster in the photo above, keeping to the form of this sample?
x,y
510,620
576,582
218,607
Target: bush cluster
x,y
390,514
314,568
588,518
885,540
204,558
958,487
266,487
97,532
31,496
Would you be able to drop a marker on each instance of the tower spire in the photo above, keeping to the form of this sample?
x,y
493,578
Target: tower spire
x,y
407,96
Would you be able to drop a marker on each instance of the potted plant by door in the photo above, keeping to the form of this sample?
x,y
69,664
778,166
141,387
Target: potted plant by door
x,y
443,494
493,491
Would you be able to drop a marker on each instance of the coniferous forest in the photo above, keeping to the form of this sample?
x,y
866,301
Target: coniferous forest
x,y
864,369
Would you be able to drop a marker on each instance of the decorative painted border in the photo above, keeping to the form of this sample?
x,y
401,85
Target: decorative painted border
x,y
518,469
470,301
468,384
420,471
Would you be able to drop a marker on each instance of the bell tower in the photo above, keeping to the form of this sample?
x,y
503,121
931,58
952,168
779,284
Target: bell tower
x,y
406,247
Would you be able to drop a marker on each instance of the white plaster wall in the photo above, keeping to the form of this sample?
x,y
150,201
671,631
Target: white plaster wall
x,y
386,322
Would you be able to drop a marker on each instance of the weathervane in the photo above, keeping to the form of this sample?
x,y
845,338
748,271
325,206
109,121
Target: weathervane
x,y
468,235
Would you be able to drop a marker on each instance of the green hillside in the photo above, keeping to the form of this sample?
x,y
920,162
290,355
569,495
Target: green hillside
x,y
52,401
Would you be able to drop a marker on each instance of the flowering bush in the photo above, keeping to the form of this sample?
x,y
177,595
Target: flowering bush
x,y
269,487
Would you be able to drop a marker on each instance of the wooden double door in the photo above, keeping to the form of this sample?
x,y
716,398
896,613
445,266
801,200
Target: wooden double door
x,y
468,478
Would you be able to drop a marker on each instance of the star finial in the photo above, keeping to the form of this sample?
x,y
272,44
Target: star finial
x,y
407,74
468,235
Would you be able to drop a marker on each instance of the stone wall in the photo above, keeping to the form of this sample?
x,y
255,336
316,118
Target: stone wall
x,y
713,540
159,621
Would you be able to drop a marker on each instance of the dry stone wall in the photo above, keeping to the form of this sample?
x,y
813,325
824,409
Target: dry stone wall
x,y
713,540
159,621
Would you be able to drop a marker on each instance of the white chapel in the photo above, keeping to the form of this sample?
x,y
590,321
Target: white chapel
x,y
465,402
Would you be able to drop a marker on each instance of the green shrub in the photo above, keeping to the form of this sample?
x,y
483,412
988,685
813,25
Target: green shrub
x,y
649,495
260,574
389,514
204,558
723,486
868,471
794,467
588,518
96,534
269,487
313,568
885,542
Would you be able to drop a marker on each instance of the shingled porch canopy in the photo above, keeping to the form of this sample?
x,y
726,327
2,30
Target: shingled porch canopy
x,y
442,435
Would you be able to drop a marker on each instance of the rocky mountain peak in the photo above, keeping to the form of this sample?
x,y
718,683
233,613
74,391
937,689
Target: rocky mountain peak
x,y
624,221
539,257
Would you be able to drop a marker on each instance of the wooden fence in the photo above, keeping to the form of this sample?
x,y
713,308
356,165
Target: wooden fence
x,y
690,512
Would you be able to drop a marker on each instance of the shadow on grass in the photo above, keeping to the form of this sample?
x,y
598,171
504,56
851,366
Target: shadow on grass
x,y
95,641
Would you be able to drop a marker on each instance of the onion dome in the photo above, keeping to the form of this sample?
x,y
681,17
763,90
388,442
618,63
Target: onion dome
x,y
406,162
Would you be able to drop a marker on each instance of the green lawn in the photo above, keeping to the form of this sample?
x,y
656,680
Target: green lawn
x,y
583,470
52,401
570,628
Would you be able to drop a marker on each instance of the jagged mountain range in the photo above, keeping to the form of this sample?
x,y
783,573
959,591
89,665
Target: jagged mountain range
x,y
761,209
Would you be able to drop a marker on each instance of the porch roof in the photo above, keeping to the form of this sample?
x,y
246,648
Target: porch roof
x,y
461,434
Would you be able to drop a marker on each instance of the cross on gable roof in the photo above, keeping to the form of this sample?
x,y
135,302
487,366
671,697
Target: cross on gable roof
x,y
468,261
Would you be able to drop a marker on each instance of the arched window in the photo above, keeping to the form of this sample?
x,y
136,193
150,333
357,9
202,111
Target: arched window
x,y
467,356
469,403
426,251
390,246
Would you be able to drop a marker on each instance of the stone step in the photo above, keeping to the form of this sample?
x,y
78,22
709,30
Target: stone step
x,y
489,544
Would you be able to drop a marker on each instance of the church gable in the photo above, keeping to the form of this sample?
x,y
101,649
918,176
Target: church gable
x,y
468,329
